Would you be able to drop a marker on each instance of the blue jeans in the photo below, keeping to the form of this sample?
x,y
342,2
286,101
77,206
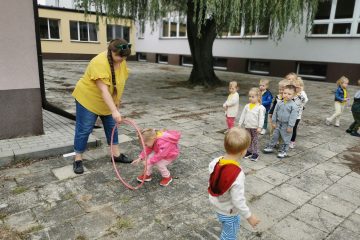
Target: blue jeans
x,y
85,121
230,226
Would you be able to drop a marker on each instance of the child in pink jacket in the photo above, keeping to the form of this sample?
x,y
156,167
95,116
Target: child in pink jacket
x,y
161,150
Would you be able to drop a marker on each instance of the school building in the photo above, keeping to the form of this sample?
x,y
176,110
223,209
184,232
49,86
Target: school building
x,y
67,33
328,50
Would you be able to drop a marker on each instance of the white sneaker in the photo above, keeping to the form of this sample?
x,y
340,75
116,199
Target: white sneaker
x,y
292,145
263,132
282,154
327,121
337,124
268,150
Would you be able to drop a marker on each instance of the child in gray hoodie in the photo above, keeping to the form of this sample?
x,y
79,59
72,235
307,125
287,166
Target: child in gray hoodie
x,y
283,121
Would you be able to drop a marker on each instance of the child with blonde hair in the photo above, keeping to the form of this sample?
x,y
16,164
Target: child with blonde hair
x,y
252,118
292,77
266,100
232,104
341,98
227,184
161,148
300,99
283,121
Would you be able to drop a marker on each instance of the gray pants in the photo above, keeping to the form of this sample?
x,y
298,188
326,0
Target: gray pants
x,y
280,131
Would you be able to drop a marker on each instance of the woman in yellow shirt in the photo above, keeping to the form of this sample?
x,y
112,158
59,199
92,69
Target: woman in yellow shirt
x,y
98,94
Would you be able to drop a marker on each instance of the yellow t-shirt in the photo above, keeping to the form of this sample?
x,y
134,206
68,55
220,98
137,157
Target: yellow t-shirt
x,y
89,95
345,96
252,105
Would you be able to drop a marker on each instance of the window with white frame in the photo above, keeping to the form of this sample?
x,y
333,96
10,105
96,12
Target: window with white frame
x,y
312,70
117,31
259,67
186,61
83,31
337,18
260,29
220,63
49,28
141,57
162,58
174,27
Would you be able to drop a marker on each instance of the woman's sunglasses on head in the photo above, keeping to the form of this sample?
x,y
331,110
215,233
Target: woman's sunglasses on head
x,y
124,46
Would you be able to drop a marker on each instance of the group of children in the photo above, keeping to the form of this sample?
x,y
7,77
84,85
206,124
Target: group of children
x,y
284,113
226,181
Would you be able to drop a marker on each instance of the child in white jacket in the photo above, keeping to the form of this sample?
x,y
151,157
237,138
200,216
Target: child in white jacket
x,y
227,184
252,118
232,104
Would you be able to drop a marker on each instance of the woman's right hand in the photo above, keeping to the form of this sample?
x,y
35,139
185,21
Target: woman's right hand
x,y
136,161
116,116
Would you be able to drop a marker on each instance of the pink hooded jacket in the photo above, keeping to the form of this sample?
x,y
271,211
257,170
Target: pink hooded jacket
x,y
165,147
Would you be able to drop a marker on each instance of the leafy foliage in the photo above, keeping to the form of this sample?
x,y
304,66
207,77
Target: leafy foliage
x,y
229,15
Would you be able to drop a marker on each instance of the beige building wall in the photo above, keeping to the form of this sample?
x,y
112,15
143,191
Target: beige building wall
x,y
20,97
68,46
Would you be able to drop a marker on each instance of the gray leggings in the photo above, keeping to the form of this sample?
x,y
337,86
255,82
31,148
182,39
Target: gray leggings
x,y
280,131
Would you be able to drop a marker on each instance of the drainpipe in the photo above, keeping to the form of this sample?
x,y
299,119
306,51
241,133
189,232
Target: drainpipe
x,y
45,104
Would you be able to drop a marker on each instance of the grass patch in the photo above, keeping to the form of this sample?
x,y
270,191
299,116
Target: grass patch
x,y
32,229
19,190
253,198
68,196
125,199
123,223
2,216
80,237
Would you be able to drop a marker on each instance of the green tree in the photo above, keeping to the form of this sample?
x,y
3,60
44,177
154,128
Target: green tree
x,y
207,19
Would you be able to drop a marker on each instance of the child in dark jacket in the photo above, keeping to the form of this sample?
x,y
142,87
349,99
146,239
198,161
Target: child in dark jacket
x,y
355,109
341,98
266,101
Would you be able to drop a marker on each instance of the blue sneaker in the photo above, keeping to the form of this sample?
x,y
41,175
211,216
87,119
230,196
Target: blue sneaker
x,y
254,157
248,154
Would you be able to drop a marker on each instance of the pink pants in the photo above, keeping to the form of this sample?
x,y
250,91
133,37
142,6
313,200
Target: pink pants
x,y
161,166
230,122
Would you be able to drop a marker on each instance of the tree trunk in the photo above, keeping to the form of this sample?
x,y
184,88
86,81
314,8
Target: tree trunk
x,y
202,72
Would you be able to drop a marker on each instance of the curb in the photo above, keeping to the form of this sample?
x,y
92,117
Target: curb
x,y
8,158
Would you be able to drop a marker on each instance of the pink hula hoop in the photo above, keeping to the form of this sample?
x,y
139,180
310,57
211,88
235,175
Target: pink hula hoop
x,y
133,124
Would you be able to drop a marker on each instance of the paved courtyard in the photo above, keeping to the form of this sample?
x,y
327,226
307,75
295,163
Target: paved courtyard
x,y
312,194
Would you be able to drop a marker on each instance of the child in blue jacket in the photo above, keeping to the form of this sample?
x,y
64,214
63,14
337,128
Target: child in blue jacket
x,y
341,98
266,101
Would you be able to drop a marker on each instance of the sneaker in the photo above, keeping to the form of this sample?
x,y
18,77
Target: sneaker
x,y
348,130
263,132
282,154
337,124
122,159
166,181
355,134
248,154
78,167
145,178
254,157
327,121
292,145
268,150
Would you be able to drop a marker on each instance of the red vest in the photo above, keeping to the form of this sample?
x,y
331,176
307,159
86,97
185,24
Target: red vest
x,y
222,178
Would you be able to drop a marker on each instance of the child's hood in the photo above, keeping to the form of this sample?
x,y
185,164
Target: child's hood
x,y
170,136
